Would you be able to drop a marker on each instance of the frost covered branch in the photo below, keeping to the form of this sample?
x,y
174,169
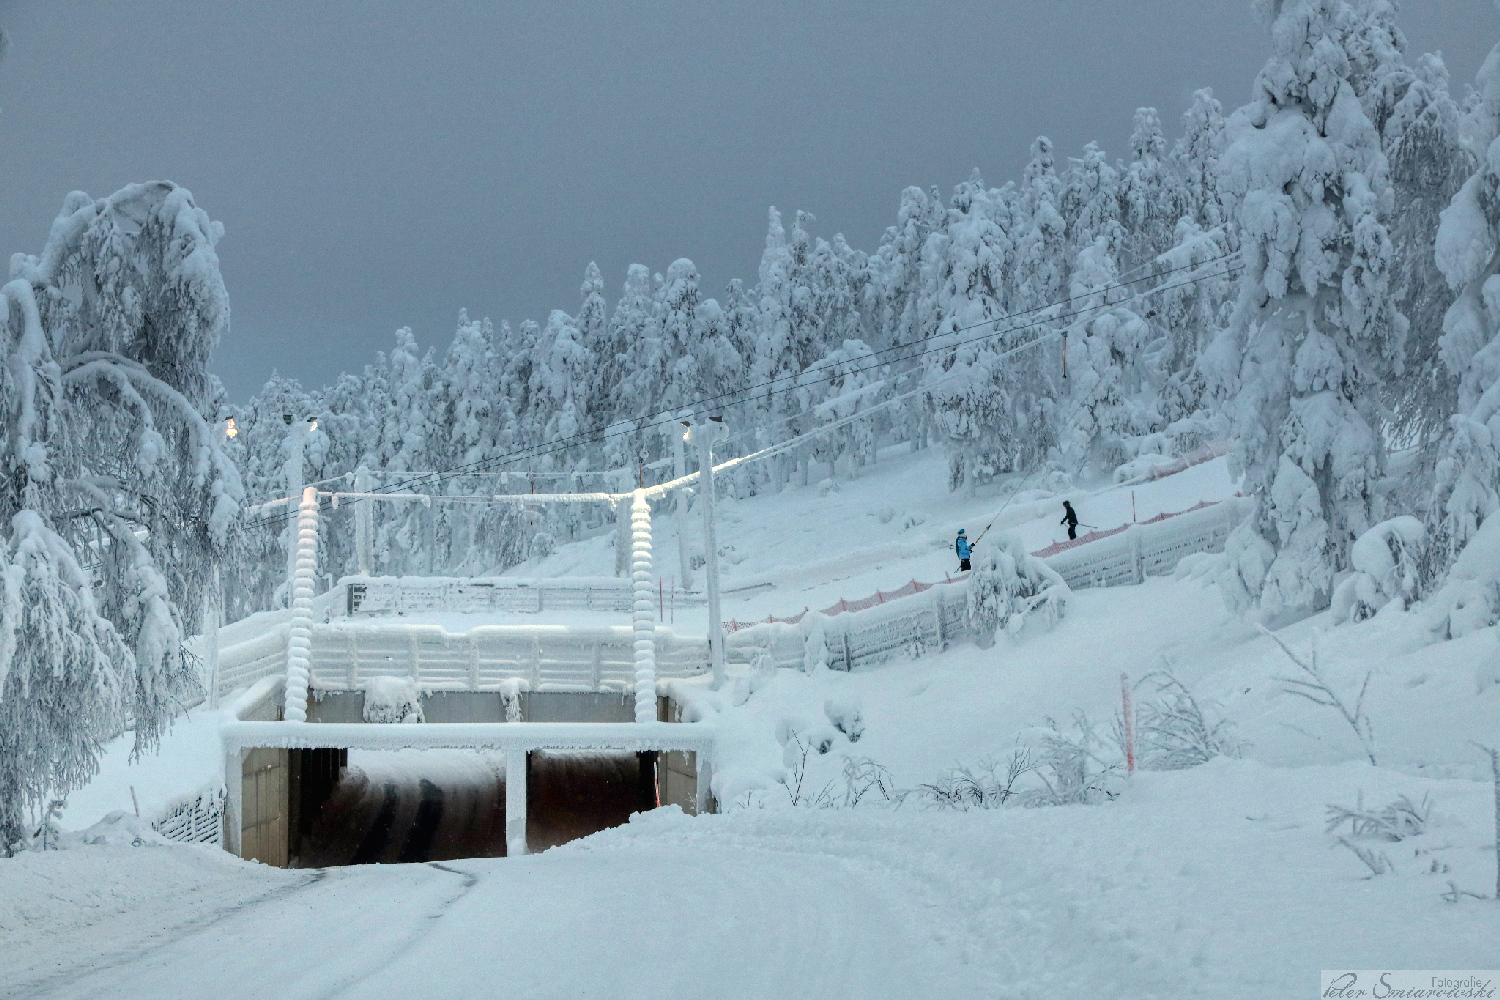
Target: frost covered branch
x,y
1317,691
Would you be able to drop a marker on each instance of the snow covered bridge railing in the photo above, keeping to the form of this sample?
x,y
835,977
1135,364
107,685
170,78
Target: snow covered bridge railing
x,y
387,595
345,654
516,740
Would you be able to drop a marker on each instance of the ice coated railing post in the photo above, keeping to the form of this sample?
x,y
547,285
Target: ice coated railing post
x,y
299,637
645,626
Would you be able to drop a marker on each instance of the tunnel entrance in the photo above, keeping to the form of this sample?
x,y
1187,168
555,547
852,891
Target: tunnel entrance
x,y
411,806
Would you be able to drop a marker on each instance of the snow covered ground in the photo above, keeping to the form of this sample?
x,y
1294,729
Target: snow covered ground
x,y
1218,880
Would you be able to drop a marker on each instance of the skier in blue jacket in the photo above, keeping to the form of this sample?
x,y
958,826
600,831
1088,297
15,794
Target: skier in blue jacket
x,y
961,546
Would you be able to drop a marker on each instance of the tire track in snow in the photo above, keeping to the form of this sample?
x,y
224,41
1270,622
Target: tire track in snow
x,y
124,955
430,924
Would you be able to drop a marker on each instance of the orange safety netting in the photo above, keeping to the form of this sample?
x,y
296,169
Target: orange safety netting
x,y
916,586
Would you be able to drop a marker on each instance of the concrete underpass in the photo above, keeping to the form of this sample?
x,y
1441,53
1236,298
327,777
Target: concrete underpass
x,y
332,806
442,805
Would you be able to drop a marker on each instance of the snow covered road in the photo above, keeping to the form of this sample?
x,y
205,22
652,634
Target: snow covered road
x,y
660,922
1217,881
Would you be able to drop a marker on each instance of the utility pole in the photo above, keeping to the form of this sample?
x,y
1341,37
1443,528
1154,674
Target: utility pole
x,y
679,469
364,524
704,435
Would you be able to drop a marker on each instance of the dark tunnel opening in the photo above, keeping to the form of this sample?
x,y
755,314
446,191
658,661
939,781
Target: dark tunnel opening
x,y
417,806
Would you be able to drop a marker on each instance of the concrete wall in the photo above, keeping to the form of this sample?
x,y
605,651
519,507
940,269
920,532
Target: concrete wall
x,y
265,806
487,706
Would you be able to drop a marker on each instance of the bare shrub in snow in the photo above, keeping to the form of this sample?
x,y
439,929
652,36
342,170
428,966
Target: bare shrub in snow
x,y
864,778
1316,690
1397,821
1172,732
965,788
1008,585
1074,767
1378,863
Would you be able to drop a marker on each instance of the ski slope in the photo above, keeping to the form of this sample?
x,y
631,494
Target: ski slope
x,y
808,546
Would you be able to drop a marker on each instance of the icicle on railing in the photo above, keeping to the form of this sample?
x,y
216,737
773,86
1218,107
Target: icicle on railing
x,y
645,626
299,640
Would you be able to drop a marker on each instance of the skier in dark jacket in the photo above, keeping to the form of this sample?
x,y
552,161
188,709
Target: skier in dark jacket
x,y
961,546
1070,518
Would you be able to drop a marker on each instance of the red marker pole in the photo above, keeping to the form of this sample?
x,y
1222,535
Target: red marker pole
x,y
1132,506
661,600
1129,724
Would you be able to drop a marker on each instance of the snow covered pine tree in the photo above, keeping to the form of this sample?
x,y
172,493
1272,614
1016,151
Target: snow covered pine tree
x,y
117,494
1316,328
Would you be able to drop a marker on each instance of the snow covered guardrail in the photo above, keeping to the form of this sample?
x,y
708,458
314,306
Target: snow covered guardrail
x,y
927,623
930,620
1132,552
389,595
345,654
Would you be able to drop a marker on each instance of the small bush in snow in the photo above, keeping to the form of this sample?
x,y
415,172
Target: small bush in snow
x,y
1077,767
1172,732
392,699
1008,585
1387,561
1316,690
847,716
542,545
1397,821
966,788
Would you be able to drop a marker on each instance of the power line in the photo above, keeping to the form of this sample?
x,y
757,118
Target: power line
x,y
600,432
537,450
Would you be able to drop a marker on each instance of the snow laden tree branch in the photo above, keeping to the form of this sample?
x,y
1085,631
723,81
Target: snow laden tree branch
x,y
105,339
1316,330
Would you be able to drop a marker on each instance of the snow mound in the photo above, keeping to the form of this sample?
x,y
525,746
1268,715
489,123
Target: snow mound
x,y
392,699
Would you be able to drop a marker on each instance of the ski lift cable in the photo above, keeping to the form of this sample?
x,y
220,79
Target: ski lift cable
x,y
539,450
535,451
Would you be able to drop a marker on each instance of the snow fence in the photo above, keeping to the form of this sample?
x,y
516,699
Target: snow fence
x,y
932,619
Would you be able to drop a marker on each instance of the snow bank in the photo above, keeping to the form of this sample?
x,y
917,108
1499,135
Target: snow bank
x,y
392,699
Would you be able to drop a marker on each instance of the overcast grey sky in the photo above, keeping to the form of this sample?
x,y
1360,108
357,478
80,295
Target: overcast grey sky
x,y
381,164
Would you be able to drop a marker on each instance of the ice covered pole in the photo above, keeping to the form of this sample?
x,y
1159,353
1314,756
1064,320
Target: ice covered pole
x,y
679,469
703,436
295,447
299,638
645,624
364,524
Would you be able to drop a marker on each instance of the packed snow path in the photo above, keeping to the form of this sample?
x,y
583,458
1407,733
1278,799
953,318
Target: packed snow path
x,y
832,927
1214,881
